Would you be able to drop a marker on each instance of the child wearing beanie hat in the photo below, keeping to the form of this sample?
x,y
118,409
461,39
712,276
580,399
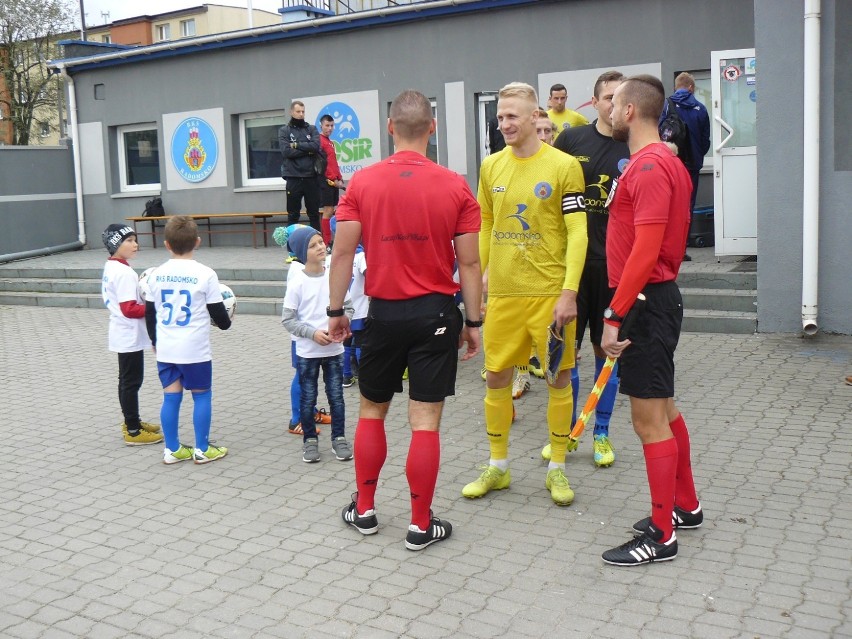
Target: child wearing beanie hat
x,y
127,334
304,316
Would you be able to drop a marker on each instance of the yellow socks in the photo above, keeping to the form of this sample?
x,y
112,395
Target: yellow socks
x,y
559,407
498,420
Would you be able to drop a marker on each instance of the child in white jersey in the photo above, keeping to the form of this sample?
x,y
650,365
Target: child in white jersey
x,y
304,316
185,297
127,331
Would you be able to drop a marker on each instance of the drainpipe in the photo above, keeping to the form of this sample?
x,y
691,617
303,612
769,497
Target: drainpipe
x,y
75,148
810,189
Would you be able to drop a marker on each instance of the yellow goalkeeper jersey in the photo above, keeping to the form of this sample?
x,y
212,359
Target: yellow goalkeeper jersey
x,y
533,236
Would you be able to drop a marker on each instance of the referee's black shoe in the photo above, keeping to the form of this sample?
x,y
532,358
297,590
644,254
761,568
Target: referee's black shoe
x,y
681,519
644,549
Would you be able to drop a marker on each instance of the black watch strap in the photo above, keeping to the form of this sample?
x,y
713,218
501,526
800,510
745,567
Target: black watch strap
x,y
473,323
337,312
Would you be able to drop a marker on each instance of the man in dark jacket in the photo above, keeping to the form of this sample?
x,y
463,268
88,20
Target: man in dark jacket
x,y
300,147
694,114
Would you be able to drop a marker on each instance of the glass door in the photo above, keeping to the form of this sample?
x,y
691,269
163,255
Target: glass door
x,y
734,102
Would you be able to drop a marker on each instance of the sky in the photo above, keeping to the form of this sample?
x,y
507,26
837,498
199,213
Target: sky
x,y
120,9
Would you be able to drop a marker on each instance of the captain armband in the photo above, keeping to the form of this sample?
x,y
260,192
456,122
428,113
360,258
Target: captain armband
x,y
573,203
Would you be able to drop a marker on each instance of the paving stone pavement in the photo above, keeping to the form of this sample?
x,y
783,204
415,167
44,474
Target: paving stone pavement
x,y
100,540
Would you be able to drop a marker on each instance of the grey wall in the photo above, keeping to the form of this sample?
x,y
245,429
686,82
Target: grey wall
x,y
485,50
37,207
779,40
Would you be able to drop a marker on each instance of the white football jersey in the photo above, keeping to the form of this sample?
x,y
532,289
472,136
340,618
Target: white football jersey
x,y
181,290
121,284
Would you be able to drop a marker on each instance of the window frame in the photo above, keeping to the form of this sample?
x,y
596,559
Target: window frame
x,y
124,187
245,180
183,29
164,28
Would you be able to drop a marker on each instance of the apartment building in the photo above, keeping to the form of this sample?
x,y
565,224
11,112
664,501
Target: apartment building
x,y
202,20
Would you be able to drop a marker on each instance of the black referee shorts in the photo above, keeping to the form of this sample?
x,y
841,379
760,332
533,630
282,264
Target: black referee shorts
x,y
421,334
329,195
646,367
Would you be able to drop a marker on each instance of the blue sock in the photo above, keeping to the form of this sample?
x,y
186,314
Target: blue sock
x,y
295,398
347,361
202,412
169,419
603,413
575,391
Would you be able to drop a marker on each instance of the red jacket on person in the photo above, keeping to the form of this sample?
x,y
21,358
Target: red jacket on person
x,y
332,169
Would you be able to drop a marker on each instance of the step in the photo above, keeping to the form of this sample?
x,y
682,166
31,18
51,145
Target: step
x,y
717,280
275,273
707,321
49,285
64,300
719,299
245,305
241,288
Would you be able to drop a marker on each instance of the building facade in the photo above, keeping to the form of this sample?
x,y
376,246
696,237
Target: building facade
x,y
230,96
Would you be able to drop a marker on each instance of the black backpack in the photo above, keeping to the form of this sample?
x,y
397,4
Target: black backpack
x,y
673,129
154,208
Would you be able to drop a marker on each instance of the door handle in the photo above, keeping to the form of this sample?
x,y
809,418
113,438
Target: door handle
x,y
727,127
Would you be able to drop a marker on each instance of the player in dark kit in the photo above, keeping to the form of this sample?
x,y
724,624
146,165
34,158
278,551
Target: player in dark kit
x,y
603,159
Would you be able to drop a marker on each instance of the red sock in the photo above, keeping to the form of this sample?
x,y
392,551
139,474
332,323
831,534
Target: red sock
x,y
661,466
371,450
421,469
685,496
325,223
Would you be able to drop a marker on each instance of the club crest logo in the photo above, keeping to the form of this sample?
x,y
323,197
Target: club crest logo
x,y
543,190
195,149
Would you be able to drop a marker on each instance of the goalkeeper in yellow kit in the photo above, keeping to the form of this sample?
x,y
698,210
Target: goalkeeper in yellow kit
x,y
533,242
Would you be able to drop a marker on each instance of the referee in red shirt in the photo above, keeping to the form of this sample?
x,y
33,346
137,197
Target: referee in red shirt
x,y
648,225
416,220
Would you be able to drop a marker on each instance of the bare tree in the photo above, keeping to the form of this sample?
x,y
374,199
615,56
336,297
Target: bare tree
x,y
29,94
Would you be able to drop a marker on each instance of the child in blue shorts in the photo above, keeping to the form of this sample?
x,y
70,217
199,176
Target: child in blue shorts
x,y
186,296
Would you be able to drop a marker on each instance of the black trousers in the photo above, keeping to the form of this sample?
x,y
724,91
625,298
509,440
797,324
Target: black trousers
x,y
307,188
131,369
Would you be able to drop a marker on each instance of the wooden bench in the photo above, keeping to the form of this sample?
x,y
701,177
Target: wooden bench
x,y
207,220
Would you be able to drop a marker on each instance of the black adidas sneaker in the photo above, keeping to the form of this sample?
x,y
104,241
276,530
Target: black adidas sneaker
x,y
366,524
438,530
644,549
681,518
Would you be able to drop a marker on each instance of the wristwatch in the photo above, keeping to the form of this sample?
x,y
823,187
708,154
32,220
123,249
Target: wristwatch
x,y
473,323
611,315
337,312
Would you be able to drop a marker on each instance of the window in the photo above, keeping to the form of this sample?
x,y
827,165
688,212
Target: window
x,y
44,129
187,28
432,149
138,158
106,39
164,32
260,157
703,93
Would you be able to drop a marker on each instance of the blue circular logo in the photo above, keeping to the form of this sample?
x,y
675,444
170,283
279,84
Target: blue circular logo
x,y
346,124
753,96
543,190
195,149
622,164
